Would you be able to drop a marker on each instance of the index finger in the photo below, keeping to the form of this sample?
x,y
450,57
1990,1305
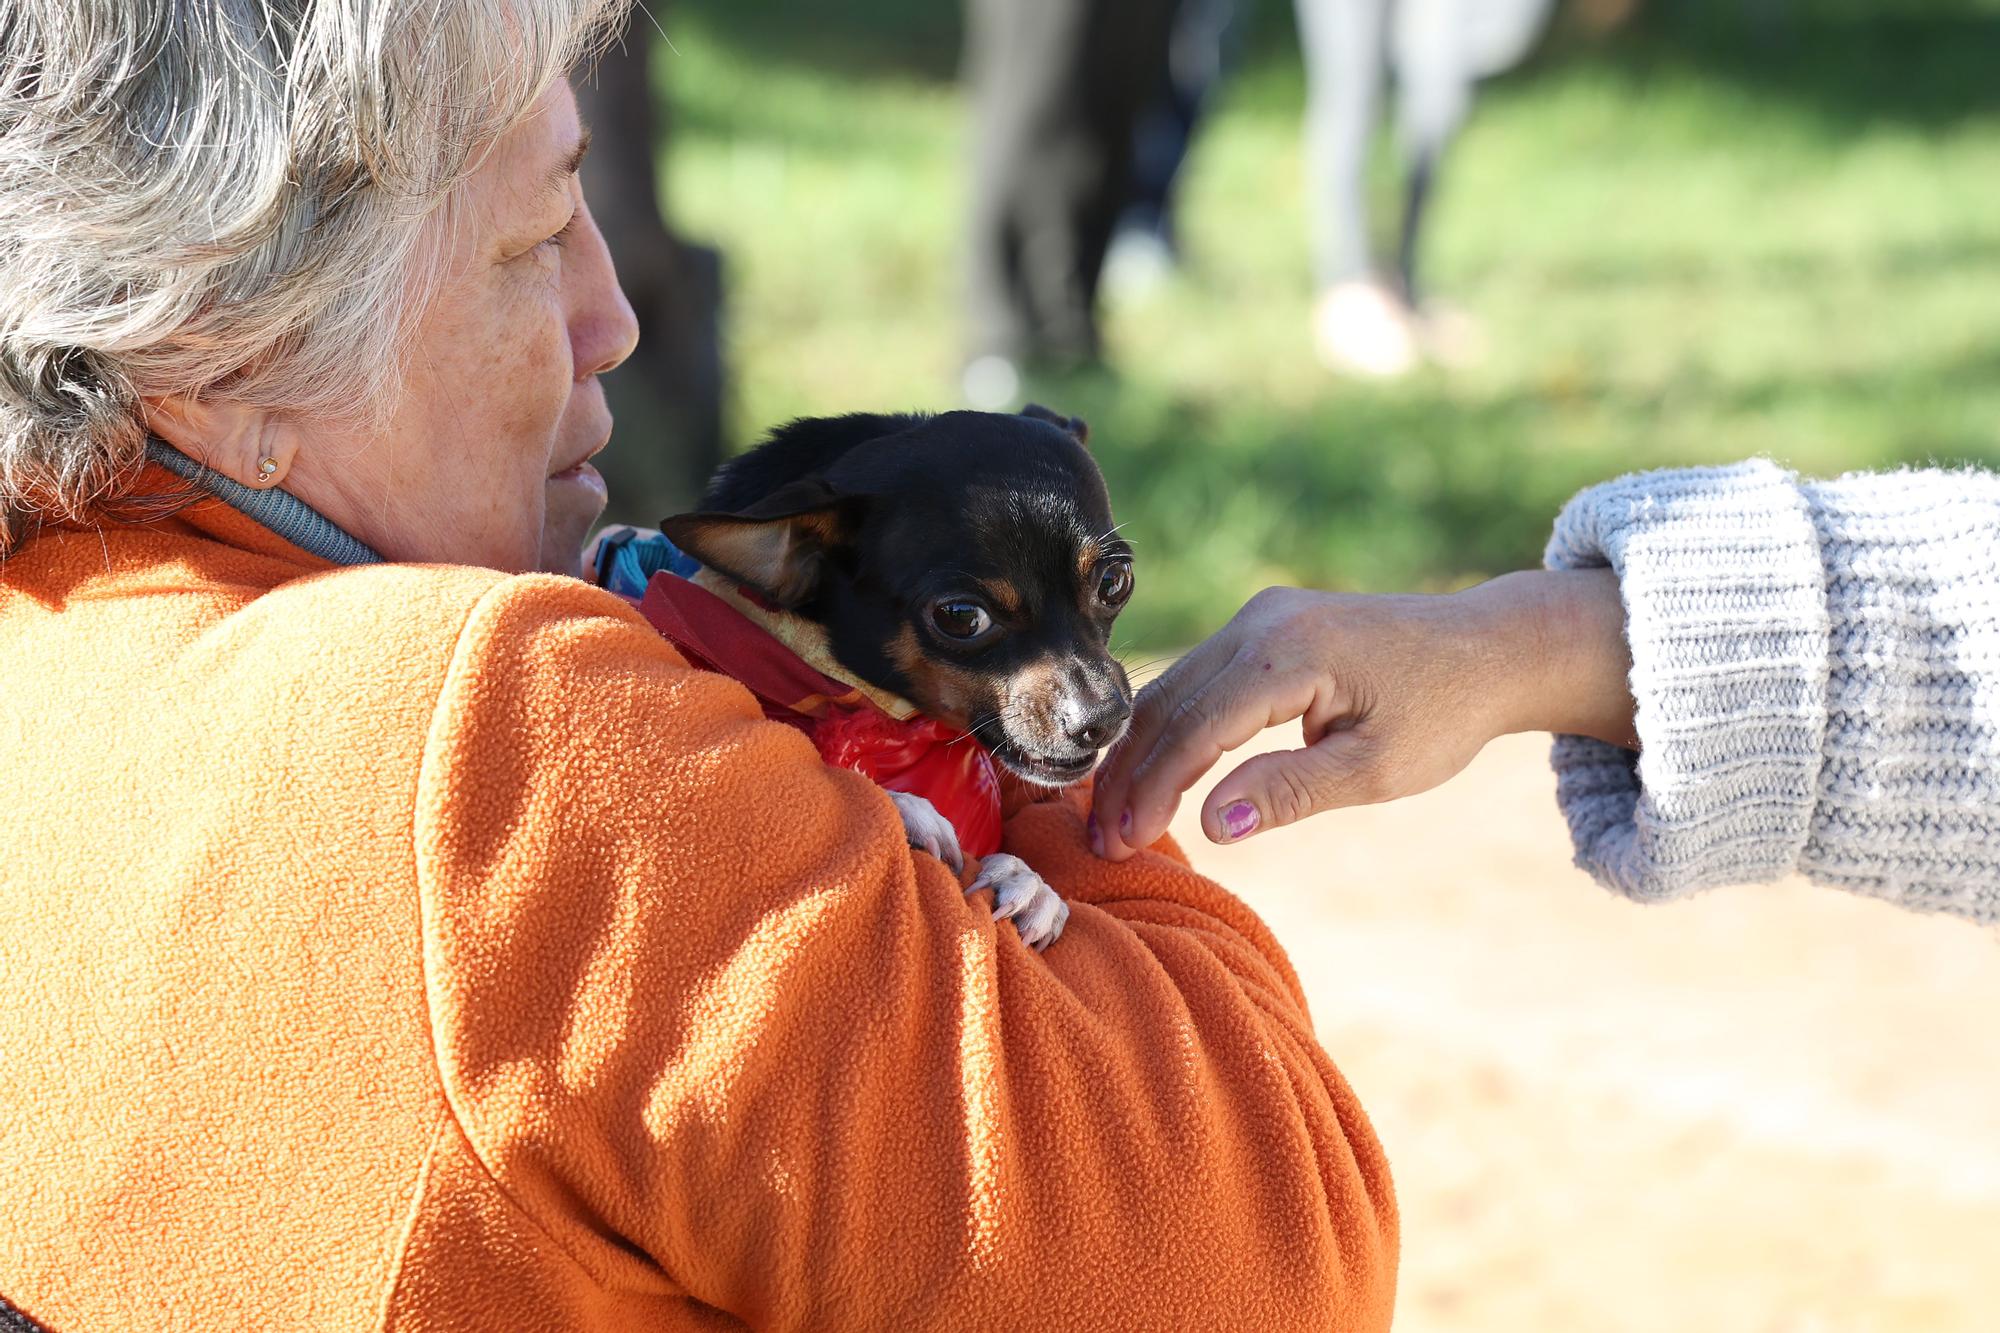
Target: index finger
x,y
1150,712
1235,707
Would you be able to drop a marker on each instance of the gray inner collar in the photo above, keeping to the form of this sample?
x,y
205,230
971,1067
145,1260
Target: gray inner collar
x,y
285,514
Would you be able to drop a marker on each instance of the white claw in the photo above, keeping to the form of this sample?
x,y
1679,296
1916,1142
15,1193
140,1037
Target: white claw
x,y
929,831
1024,897
1042,922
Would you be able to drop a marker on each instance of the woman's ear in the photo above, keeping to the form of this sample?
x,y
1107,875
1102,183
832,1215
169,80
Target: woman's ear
x,y
777,546
246,444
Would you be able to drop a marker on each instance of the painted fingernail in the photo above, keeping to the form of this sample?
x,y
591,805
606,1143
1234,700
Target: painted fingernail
x,y
1096,834
1125,823
1239,820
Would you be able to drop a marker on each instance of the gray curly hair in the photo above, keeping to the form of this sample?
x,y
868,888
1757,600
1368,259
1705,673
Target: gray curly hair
x,y
237,198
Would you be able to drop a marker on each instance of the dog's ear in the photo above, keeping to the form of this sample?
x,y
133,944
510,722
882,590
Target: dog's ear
x,y
807,447
778,545
1075,426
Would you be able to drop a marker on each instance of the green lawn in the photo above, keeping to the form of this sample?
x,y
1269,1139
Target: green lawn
x,y
1689,244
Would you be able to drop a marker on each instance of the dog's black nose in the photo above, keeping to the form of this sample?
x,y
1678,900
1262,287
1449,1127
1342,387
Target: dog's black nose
x,y
1093,731
1091,736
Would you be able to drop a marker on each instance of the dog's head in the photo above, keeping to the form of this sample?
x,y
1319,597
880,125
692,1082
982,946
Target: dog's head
x,y
967,562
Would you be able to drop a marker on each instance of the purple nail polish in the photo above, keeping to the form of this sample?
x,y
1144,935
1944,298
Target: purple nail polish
x,y
1125,823
1239,820
1096,834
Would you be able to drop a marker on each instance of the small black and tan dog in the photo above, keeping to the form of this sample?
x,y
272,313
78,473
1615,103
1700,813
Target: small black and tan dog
x,y
966,562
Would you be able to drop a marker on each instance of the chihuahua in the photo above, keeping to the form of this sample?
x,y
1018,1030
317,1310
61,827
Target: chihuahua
x,y
966,562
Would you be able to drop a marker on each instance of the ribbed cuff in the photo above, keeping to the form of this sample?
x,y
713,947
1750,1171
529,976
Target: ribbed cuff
x,y
1725,603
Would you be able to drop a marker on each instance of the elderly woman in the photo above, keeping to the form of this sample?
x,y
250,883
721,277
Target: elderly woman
x,y
400,938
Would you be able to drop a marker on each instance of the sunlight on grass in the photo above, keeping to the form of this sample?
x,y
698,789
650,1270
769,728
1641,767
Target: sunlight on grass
x,y
1678,255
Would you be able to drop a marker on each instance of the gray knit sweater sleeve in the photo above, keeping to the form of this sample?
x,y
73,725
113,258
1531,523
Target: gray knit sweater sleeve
x,y
1817,672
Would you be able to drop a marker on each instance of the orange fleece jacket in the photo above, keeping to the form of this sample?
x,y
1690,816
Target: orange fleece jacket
x,y
425,948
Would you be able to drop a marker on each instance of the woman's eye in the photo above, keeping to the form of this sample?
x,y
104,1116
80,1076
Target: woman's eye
x,y
1114,585
961,620
543,256
561,239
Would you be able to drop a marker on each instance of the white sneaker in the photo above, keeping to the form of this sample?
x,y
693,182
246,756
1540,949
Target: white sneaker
x,y
1137,266
1362,328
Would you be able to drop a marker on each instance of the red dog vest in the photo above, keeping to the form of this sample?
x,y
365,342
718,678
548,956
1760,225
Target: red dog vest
x,y
945,766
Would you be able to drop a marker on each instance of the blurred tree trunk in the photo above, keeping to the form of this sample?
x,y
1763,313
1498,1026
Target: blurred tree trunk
x,y
668,397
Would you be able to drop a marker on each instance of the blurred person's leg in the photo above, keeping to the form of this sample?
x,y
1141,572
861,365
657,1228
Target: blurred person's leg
x,y
1433,94
1430,51
1344,44
1145,246
1440,50
1056,88
1359,325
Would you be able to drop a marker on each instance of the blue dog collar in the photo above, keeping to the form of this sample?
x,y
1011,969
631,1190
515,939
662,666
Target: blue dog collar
x,y
627,561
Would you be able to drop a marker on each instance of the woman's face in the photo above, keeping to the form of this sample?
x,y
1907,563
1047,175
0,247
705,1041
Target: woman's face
x,y
482,460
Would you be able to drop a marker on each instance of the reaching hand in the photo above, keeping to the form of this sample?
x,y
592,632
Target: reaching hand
x,y
1395,695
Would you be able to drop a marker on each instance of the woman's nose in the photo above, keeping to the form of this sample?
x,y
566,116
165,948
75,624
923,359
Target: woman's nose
x,y
603,329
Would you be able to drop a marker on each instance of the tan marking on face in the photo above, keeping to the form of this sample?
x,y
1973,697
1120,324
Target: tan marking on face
x,y
1005,596
1034,695
947,693
1087,559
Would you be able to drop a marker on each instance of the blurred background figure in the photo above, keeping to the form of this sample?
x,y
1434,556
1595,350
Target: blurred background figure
x,y
1145,247
1435,52
1057,89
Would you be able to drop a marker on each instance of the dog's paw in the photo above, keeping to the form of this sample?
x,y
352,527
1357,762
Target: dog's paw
x,y
929,831
1024,897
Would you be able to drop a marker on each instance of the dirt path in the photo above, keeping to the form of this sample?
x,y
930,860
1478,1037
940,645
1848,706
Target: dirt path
x,y
1769,1109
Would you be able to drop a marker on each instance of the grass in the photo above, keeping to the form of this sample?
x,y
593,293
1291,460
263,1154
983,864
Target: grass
x,y
1696,242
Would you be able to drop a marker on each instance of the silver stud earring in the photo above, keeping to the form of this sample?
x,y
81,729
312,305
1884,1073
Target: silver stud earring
x,y
267,470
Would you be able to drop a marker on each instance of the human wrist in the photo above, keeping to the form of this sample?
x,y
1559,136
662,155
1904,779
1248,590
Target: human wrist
x,y
1556,653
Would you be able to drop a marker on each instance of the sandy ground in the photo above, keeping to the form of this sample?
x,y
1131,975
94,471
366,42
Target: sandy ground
x,y
1769,1109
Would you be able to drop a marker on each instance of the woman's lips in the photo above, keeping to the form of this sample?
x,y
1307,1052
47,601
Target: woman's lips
x,y
584,475
582,463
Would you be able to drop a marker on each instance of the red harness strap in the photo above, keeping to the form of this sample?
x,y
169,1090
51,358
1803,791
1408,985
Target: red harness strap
x,y
945,766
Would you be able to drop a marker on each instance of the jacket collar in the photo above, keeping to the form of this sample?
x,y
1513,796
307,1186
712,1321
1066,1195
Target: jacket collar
x,y
282,513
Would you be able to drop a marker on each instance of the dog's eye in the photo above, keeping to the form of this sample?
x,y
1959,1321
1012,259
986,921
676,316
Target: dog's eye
x,y
961,620
1114,585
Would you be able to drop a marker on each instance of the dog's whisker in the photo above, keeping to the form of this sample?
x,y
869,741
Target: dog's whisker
x,y
1105,537
1150,663
974,732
